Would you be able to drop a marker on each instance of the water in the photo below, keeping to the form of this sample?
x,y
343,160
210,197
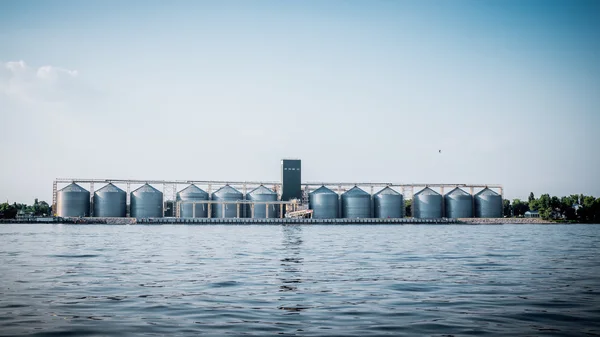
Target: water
x,y
295,280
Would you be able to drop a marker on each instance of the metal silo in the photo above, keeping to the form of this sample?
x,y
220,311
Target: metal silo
x,y
488,204
227,193
388,203
427,204
110,201
324,203
356,203
459,204
188,210
73,200
261,211
146,202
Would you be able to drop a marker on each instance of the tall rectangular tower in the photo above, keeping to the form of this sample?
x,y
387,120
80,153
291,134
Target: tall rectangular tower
x,y
291,179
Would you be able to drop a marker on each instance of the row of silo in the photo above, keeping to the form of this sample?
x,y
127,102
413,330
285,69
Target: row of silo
x,y
457,203
356,203
387,203
109,201
147,202
262,207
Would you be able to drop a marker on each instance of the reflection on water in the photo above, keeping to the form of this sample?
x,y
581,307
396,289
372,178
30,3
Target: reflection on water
x,y
291,273
299,280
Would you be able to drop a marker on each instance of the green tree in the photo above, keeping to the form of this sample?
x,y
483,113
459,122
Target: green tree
x,y
566,207
43,209
531,197
542,205
519,207
506,208
408,208
8,211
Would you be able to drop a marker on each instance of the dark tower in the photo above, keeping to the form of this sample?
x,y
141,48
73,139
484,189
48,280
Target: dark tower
x,y
291,179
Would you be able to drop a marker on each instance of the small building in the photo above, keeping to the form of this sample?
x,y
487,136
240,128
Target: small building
x,y
532,214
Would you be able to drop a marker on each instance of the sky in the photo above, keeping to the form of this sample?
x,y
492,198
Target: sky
x,y
361,91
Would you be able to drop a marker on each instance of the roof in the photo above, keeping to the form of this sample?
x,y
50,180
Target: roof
x,y
322,189
110,188
262,190
457,191
192,189
387,190
73,188
486,191
226,190
427,191
355,191
146,188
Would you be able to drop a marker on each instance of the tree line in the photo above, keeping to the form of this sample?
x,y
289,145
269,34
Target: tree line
x,y
39,208
580,208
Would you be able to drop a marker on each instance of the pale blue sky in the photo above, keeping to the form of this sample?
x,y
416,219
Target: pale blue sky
x,y
359,90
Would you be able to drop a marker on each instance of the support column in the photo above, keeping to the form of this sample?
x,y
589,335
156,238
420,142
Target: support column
x,y
237,205
128,199
209,210
472,200
372,204
54,195
443,202
267,211
281,211
252,211
91,210
164,201
193,210
412,204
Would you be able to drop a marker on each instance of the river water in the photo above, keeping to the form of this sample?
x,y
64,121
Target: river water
x,y
412,280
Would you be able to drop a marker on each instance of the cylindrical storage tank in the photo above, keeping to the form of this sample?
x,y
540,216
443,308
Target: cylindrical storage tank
x,y
356,203
324,203
190,194
427,204
110,202
459,204
73,201
488,204
388,203
261,211
146,202
227,193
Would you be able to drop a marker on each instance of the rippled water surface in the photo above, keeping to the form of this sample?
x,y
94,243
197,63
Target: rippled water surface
x,y
300,280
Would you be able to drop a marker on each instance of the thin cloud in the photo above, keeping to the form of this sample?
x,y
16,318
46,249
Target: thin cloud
x,y
20,82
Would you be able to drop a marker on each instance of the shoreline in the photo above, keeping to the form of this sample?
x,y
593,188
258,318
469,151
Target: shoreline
x,y
284,221
507,221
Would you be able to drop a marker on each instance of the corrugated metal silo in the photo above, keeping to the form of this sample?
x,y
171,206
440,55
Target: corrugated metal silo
x,y
110,201
388,203
192,193
459,204
356,203
146,202
427,203
324,203
488,204
261,211
227,193
73,200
